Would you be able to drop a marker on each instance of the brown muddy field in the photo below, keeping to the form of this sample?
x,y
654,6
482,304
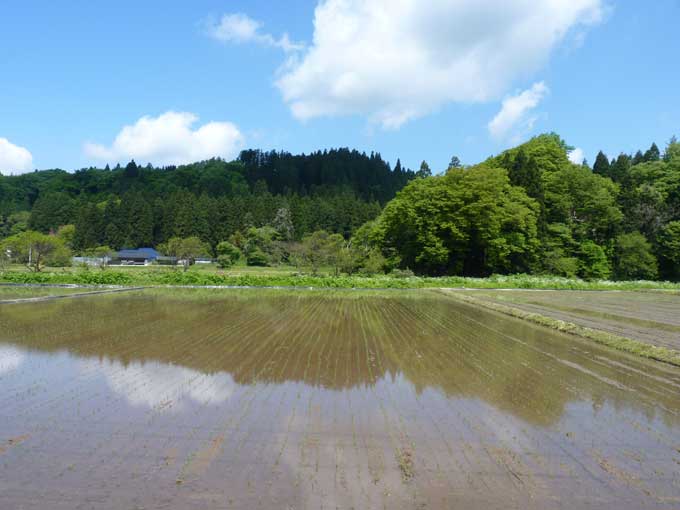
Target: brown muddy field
x,y
304,400
651,317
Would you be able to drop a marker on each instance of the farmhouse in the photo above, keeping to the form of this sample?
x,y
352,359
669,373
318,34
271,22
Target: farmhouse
x,y
139,256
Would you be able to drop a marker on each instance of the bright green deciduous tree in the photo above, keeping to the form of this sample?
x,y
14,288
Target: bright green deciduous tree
x,y
186,249
470,221
36,249
633,258
227,254
321,248
593,262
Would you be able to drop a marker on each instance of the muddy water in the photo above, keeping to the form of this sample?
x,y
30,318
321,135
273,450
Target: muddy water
x,y
651,317
279,400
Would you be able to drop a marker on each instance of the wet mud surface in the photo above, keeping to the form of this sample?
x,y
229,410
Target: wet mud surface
x,y
651,317
277,400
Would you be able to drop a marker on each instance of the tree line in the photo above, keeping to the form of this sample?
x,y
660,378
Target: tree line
x,y
526,210
135,206
530,210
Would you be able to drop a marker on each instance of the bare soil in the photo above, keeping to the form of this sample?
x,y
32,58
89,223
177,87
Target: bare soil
x,y
650,317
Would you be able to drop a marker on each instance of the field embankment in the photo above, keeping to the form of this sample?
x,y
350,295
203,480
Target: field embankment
x,y
645,324
270,277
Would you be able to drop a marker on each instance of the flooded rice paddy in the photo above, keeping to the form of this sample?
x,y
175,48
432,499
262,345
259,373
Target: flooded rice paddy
x,y
651,317
293,400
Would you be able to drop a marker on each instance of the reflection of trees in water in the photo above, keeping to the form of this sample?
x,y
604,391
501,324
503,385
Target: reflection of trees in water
x,y
342,341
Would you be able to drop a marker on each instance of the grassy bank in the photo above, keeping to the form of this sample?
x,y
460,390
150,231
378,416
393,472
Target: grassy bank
x,y
288,277
601,337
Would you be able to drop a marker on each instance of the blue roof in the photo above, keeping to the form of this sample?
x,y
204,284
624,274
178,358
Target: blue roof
x,y
139,253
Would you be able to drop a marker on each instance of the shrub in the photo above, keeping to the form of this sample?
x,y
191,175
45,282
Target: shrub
x,y
374,263
402,273
633,258
227,254
556,263
593,263
257,257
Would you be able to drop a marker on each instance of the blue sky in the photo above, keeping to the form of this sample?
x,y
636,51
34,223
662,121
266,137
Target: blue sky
x,y
417,85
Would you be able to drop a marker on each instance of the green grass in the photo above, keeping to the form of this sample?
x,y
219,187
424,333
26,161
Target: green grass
x,y
620,343
289,277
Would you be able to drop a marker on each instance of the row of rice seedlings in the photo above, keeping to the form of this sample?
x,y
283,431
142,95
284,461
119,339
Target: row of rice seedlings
x,y
197,426
475,427
405,341
397,445
197,421
179,333
262,348
532,462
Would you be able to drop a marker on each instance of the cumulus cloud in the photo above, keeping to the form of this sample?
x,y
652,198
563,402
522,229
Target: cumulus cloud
x,y
577,156
11,358
14,160
170,140
396,60
239,28
160,385
515,113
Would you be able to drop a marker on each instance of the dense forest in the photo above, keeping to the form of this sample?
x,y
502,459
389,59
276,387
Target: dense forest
x,y
133,206
531,210
527,210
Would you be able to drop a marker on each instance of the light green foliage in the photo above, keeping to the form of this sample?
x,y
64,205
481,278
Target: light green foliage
x,y
375,263
470,221
4,258
262,246
321,248
669,249
548,151
558,249
66,233
557,263
186,249
672,151
36,250
633,258
102,253
227,254
583,201
593,263
256,257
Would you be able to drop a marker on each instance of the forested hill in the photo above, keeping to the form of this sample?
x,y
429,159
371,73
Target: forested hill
x,y
370,177
335,190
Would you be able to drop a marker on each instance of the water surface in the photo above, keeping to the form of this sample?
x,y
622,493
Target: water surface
x,y
278,399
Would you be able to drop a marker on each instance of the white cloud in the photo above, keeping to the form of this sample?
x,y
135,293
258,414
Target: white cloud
x,y
160,385
11,358
170,140
14,160
577,156
396,60
239,28
515,113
